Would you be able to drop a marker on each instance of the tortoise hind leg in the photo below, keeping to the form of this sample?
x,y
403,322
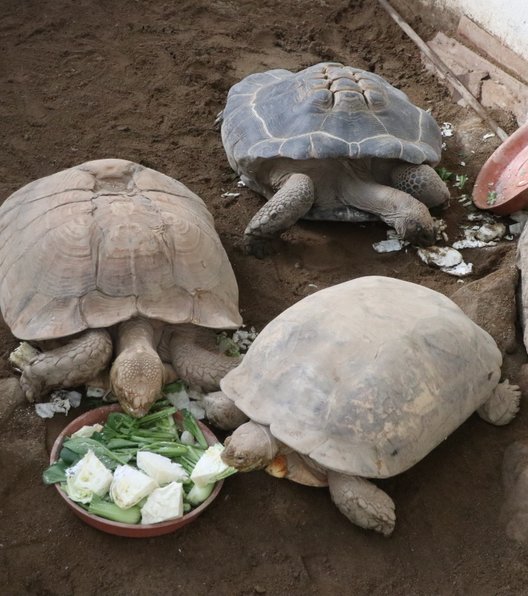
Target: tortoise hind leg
x,y
291,202
502,407
362,502
421,182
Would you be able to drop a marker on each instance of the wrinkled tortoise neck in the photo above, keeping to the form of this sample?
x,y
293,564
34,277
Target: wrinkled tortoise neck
x,y
138,334
137,374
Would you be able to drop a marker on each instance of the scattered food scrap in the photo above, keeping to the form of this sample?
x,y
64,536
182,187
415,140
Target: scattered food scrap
x,y
61,403
447,259
447,129
480,236
391,245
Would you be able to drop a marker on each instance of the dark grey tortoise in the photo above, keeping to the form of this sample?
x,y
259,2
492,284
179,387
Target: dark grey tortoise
x,y
336,143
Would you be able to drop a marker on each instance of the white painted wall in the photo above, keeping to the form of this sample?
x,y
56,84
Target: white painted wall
x,y
507,20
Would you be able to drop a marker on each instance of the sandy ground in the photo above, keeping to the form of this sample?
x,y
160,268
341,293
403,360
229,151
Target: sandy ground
x,y
144,81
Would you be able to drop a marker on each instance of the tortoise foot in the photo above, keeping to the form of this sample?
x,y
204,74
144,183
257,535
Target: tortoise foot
x,y
259,246
363,503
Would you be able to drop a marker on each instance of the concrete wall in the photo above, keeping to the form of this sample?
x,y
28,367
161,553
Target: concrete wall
x,y
507,20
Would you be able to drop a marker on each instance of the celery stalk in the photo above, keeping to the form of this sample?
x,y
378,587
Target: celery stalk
x,y
111,511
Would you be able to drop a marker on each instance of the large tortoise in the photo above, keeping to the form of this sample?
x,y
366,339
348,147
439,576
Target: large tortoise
x,y
110,256
359,380
332,142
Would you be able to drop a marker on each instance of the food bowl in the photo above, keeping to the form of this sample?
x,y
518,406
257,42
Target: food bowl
x,y
502,183
99,415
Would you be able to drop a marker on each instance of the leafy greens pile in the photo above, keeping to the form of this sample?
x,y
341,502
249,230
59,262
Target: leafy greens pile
x,y
131,467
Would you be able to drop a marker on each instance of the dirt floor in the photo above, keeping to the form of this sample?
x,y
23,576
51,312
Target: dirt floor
x,y
144,81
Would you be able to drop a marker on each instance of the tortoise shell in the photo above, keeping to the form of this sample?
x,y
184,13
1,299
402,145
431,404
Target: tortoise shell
x,y
368,376
105,241
325,111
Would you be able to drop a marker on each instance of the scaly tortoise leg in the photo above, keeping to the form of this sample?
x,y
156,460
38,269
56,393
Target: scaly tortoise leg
x,y
195,357
362,502
290,203
421,182
74,363
221,411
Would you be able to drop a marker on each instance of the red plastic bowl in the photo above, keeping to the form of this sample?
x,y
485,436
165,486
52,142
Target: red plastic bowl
x,y
505,173
99,415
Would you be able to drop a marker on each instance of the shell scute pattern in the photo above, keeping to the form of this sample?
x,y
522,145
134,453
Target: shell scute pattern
x,y
327,110
368,386
107,240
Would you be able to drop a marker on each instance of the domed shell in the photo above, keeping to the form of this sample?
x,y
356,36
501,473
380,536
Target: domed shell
x,y
368,376
105,241
325,111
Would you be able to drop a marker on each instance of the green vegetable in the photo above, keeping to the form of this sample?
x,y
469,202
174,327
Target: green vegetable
x,y
444,173
155,416
175,387
210,468
69,457
198,494
111,511
227,346
55,473
114,444
118,444
81,446
460,181
191,425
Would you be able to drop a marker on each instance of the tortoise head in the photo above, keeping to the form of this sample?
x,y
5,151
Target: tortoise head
x,y
250,447
136,379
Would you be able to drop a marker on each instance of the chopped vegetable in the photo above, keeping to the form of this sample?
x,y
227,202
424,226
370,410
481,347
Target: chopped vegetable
x,y
210,467
163,504
444,173
111,511
187,438
198,494
86,478
23,355
81,446
460,181
160,468
226,345
87,431
191,425
55,473
130,486
165,448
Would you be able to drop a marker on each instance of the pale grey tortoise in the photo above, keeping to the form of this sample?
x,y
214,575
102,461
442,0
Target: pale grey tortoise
x,y
114,261
332,142
360,380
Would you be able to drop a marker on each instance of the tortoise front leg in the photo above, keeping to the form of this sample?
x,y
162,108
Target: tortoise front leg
x,y
362,502
72,364
421,182
221,411
195,357
291,202
408,216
